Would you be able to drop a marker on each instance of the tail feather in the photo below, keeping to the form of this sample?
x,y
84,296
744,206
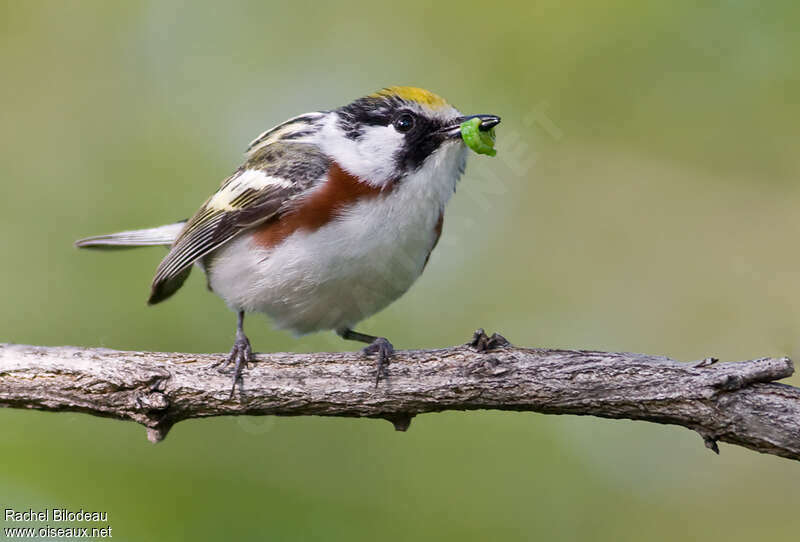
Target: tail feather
x,y
160,236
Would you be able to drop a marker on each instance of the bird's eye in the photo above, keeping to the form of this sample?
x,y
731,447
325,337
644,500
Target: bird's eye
x,y
404,122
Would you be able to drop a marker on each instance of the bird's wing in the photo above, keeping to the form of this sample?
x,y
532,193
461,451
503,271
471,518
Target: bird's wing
x,y
261,190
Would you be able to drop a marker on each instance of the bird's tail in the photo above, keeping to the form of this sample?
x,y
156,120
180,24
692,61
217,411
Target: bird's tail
x,y
162,235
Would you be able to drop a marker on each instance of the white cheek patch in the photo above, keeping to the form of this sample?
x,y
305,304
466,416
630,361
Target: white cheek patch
x,y
247,179
378,147
371,157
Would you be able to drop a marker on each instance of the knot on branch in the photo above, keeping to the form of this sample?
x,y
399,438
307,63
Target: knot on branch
x,y
151,402
400,420
158,432
488,366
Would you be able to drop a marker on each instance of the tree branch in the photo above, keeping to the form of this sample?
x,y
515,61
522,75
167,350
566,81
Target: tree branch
x,y
729,402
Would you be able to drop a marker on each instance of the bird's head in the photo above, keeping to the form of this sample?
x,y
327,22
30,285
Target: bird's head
x,y
387,135
382,137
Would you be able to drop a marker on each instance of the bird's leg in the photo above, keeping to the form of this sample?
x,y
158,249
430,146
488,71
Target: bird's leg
x,y
376,345
240,355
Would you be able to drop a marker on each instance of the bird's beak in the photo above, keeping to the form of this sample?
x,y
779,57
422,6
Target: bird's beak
x,y
487,123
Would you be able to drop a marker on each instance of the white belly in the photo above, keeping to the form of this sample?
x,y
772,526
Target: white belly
x,y
347,270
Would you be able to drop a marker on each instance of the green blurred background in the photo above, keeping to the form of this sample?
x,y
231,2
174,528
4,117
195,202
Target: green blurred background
x,y
644,198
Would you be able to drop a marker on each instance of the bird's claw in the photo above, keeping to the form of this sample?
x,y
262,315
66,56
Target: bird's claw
x,y
483,343
384,350
241,354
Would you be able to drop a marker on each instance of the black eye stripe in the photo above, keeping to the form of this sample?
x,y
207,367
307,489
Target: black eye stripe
x,y
422,141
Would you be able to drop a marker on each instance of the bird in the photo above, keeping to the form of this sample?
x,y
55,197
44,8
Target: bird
x,y
332,216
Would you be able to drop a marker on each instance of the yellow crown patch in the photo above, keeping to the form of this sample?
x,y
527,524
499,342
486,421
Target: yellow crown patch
x,y
413,94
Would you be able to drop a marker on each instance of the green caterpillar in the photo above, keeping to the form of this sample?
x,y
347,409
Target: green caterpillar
x,y
476,139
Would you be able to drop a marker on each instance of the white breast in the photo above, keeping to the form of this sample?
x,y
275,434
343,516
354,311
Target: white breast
x,y
350,268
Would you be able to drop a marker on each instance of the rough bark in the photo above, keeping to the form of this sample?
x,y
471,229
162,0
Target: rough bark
x,y
729,402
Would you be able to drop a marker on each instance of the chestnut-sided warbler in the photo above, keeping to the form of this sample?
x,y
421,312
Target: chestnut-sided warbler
x,y
333,216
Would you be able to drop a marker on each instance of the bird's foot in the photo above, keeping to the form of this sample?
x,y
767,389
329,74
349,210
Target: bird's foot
x,y
384,350
483,343
241,354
